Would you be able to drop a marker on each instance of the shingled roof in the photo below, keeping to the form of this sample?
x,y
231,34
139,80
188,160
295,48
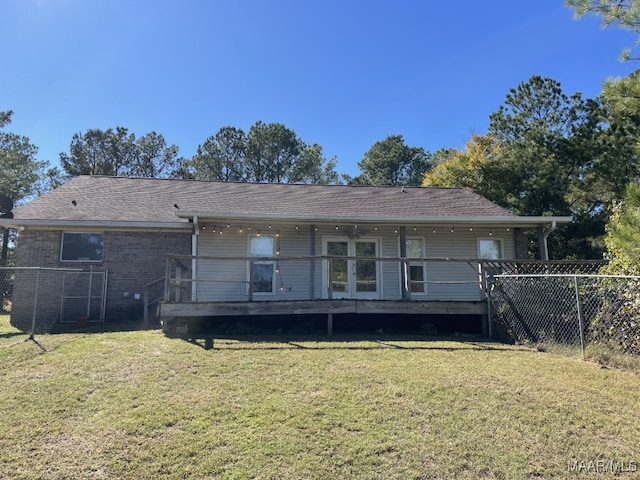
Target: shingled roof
x,y
158,201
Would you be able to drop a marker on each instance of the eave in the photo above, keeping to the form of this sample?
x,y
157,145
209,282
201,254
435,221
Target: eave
x,y
94,224
506,220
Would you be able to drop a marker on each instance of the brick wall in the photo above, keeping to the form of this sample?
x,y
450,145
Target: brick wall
x,y
131,258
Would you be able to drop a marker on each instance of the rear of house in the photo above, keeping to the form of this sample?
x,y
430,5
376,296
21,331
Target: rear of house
x,y
237,249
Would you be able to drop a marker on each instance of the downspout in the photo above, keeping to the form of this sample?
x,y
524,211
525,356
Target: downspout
x,y
545,236
194,261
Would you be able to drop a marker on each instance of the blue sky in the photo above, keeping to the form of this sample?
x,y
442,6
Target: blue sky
x,y
341,73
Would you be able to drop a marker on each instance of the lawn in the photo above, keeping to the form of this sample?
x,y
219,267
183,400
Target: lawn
x,y
140,405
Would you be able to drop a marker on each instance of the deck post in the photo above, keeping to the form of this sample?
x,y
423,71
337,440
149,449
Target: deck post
x,y
251,280
312,262
330,278
329,324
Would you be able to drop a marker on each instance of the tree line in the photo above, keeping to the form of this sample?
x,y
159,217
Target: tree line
x,y
545,152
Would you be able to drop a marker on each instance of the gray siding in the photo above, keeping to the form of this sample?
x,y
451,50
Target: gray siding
x,y
227,280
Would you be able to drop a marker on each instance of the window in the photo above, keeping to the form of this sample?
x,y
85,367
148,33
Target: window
x,y
417,269
263,279
489,249
82,247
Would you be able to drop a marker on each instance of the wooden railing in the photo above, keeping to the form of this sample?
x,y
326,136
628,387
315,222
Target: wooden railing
x,y
181,285
147,301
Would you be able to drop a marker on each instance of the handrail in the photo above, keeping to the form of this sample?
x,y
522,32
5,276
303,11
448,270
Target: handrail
x,y
182,283
146,302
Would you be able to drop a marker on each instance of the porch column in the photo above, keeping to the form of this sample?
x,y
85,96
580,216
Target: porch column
x,y
406,294
543,252
312,262
194,262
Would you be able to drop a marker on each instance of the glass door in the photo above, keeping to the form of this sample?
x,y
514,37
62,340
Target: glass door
x,y
366,271
339,268
351,278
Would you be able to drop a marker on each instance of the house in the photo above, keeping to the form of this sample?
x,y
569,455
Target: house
x,y
216,248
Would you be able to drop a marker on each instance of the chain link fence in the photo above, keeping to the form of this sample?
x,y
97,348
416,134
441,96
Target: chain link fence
x,y
575,310
33,300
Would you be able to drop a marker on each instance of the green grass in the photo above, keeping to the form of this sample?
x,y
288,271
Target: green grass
x,y
142,406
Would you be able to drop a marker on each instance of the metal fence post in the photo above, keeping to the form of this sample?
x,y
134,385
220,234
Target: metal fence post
x,y
90,291
579,310
35,306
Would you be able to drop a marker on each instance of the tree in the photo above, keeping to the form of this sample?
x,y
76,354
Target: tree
x,y
312,167
392,162
474,168
272,152
118,153
88,155
5,118
623,234
622,13
221,157
153,158
538,127
21,175
618,162
550,144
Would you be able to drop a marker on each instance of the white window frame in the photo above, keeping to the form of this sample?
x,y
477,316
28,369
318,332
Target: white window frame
x,y
422,264
500,248
80,260
263,262
352,292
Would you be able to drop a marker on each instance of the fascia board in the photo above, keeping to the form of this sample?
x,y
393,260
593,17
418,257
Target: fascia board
x,y
43,223
513,220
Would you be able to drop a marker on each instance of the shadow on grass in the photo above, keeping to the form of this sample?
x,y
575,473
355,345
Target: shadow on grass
x,y
9,335
101,327
343,342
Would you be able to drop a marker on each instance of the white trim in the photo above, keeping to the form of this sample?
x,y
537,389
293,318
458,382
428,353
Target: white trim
x,y
493,239
103,225
506,220
272,262
352,292
423,263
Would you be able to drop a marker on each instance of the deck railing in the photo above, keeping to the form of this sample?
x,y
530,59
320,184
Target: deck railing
x,y
188,276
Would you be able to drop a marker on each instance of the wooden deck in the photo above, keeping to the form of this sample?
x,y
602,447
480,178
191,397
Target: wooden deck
x,y
176,316
284,307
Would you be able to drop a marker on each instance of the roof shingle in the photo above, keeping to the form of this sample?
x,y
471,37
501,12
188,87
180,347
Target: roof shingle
x,y
152,200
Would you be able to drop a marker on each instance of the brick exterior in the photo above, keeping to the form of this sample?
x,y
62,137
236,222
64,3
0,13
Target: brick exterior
x,y
131,258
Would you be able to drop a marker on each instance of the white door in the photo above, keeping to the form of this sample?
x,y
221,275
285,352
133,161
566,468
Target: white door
x,y
352,278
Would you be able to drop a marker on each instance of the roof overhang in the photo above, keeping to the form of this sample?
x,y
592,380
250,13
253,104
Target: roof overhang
x,y
93,224
208,217
507,220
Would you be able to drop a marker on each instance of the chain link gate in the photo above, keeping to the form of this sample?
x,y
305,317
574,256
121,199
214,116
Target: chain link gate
x,y
84,295
34,299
